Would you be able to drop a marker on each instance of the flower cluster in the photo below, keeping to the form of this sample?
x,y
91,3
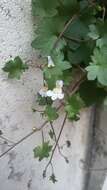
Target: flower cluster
x,y
56,93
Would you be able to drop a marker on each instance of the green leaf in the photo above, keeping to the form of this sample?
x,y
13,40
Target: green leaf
x,y
98,67
42,151
77,30
101,41
60,66
80,55
51,113
91,94
67,77
15,68
73,107
44,8
94,33
71,6
47,33
42,101
53,178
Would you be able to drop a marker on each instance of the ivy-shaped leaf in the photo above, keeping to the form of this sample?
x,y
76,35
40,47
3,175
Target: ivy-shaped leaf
x,y
47,33
42,151
73,107
51,113
53,178
15,68
94,33
56,72
44,8
42,101
98,67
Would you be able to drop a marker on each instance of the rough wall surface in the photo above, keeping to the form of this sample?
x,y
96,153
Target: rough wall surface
x,y
18,169
98,177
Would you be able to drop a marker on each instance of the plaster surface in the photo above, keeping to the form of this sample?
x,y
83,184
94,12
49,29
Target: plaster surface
x,y
18,168
98,164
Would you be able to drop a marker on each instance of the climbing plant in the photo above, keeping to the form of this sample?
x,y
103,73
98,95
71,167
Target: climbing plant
x,y
71,37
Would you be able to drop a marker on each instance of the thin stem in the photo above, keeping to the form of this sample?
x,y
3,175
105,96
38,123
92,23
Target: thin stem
x,y
104,12
27,136
56,144
42,137
39,111
24,138
78,83
65,28
73,90
59,149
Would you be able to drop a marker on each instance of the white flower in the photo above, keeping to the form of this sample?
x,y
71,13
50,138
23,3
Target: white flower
x,y
55,94
43,91
49,93
50,62
59,83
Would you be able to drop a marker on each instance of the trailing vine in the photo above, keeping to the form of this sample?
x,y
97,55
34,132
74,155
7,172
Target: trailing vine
x,y
71,37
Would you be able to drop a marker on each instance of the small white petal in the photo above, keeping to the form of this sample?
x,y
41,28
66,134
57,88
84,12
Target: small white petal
x,y
54,97
59,83
57,90
60,96
50,62
49,93
43,92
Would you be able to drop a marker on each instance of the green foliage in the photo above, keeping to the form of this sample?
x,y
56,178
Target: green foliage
x,y
44,8
55,73
91,93
74,34
15,68
98,67
53,178
47,33
42,151
51,113
73,107
42,101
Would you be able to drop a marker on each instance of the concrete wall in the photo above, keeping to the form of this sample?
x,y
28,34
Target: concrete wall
x,y
98,164
18,169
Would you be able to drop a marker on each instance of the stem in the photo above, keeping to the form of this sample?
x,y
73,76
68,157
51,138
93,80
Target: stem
x,y
42,137
56,144
66,159
104,12
27,136
24,138
78,83
65,28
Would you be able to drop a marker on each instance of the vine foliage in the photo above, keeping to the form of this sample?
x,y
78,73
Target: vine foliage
x,y
71,37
